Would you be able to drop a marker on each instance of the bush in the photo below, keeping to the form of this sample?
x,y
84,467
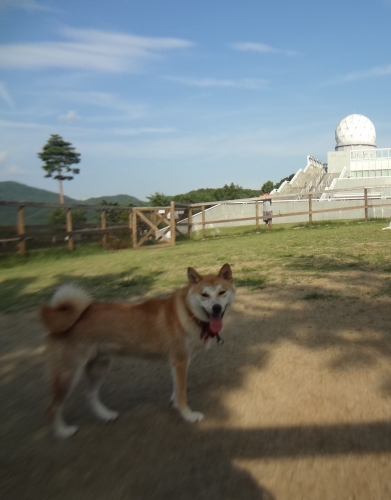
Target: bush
x,y
116,216
59,216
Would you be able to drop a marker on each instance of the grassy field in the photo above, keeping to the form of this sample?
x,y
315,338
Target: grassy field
x,y
291,255
297,401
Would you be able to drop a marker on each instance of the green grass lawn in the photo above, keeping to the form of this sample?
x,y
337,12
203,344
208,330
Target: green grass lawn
x,y
290,254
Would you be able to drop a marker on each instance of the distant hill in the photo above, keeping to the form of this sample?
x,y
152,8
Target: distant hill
x,y
15,191
122,199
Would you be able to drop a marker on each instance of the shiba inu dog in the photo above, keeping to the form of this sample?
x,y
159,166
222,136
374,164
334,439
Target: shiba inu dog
x,y
83,335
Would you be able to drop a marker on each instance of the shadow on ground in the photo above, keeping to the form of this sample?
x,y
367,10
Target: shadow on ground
x,y
16,293
149,453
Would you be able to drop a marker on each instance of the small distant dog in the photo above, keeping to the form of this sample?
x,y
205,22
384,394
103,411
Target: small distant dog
x,y
83,335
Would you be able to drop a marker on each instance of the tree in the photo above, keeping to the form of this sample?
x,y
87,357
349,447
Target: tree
x,y
289,178
267,186
116,216
58,156
59,216
227,192
158,200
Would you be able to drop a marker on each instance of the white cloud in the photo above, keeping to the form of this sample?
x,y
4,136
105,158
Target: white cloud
x,y
252,144
145,130
89,50
244,83
104,100
8,124
3,155
121,109
261,48
29,5
5,95
71,116
376,72
15,170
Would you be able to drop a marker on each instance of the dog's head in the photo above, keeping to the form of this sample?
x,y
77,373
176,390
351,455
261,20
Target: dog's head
x,y
211,295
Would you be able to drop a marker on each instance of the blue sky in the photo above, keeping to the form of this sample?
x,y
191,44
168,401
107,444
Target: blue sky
x,y
174,95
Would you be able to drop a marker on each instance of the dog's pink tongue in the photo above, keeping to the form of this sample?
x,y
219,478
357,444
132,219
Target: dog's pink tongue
x,y
215,324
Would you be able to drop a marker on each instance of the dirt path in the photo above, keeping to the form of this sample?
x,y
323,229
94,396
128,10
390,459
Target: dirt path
x,y
297,405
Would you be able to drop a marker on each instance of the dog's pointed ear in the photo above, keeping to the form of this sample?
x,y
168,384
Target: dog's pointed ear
x,y
193,276
225,272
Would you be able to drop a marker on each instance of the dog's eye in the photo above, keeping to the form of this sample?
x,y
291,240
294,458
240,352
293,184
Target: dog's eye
x,y
206,295
222,292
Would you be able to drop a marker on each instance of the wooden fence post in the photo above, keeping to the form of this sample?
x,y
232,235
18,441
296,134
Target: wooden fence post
x,y
203,221
153,220
190,222
172,223
366,204
130,219
21,230
310,209
69,229
134,228
103,226
257,215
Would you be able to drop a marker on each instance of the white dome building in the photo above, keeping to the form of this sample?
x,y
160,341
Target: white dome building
x,y
356,160
353,132
355,163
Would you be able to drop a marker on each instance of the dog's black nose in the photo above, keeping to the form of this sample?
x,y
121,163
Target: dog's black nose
x,y
217,308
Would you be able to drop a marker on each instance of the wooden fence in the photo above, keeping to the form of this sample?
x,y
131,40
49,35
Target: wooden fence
x,y
144,224
256,218
158,217
160,224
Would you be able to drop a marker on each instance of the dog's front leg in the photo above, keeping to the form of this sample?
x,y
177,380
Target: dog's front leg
x,y
179,399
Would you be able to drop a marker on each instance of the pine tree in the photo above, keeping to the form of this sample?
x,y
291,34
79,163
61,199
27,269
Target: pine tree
x,y
58,156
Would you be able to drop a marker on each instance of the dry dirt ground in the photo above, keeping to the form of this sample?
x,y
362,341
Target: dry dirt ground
x,y
297,405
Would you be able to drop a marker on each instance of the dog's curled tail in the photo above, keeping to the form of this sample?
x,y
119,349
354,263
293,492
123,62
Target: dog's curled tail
x,y
65,308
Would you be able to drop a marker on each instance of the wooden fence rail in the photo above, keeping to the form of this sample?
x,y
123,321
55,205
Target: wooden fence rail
x,y
200,207
161,223
69,233
144,223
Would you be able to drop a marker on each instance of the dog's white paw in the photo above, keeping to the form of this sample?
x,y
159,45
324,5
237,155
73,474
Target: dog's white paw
x,y
65,431
107,415
191,416
103,413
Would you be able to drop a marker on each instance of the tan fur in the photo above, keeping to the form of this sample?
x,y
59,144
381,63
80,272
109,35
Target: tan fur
x,y
67,305
84,334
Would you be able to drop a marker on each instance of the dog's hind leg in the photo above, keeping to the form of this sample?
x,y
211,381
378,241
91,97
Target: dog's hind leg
x,y
65,375
173,398
96,370
179,398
